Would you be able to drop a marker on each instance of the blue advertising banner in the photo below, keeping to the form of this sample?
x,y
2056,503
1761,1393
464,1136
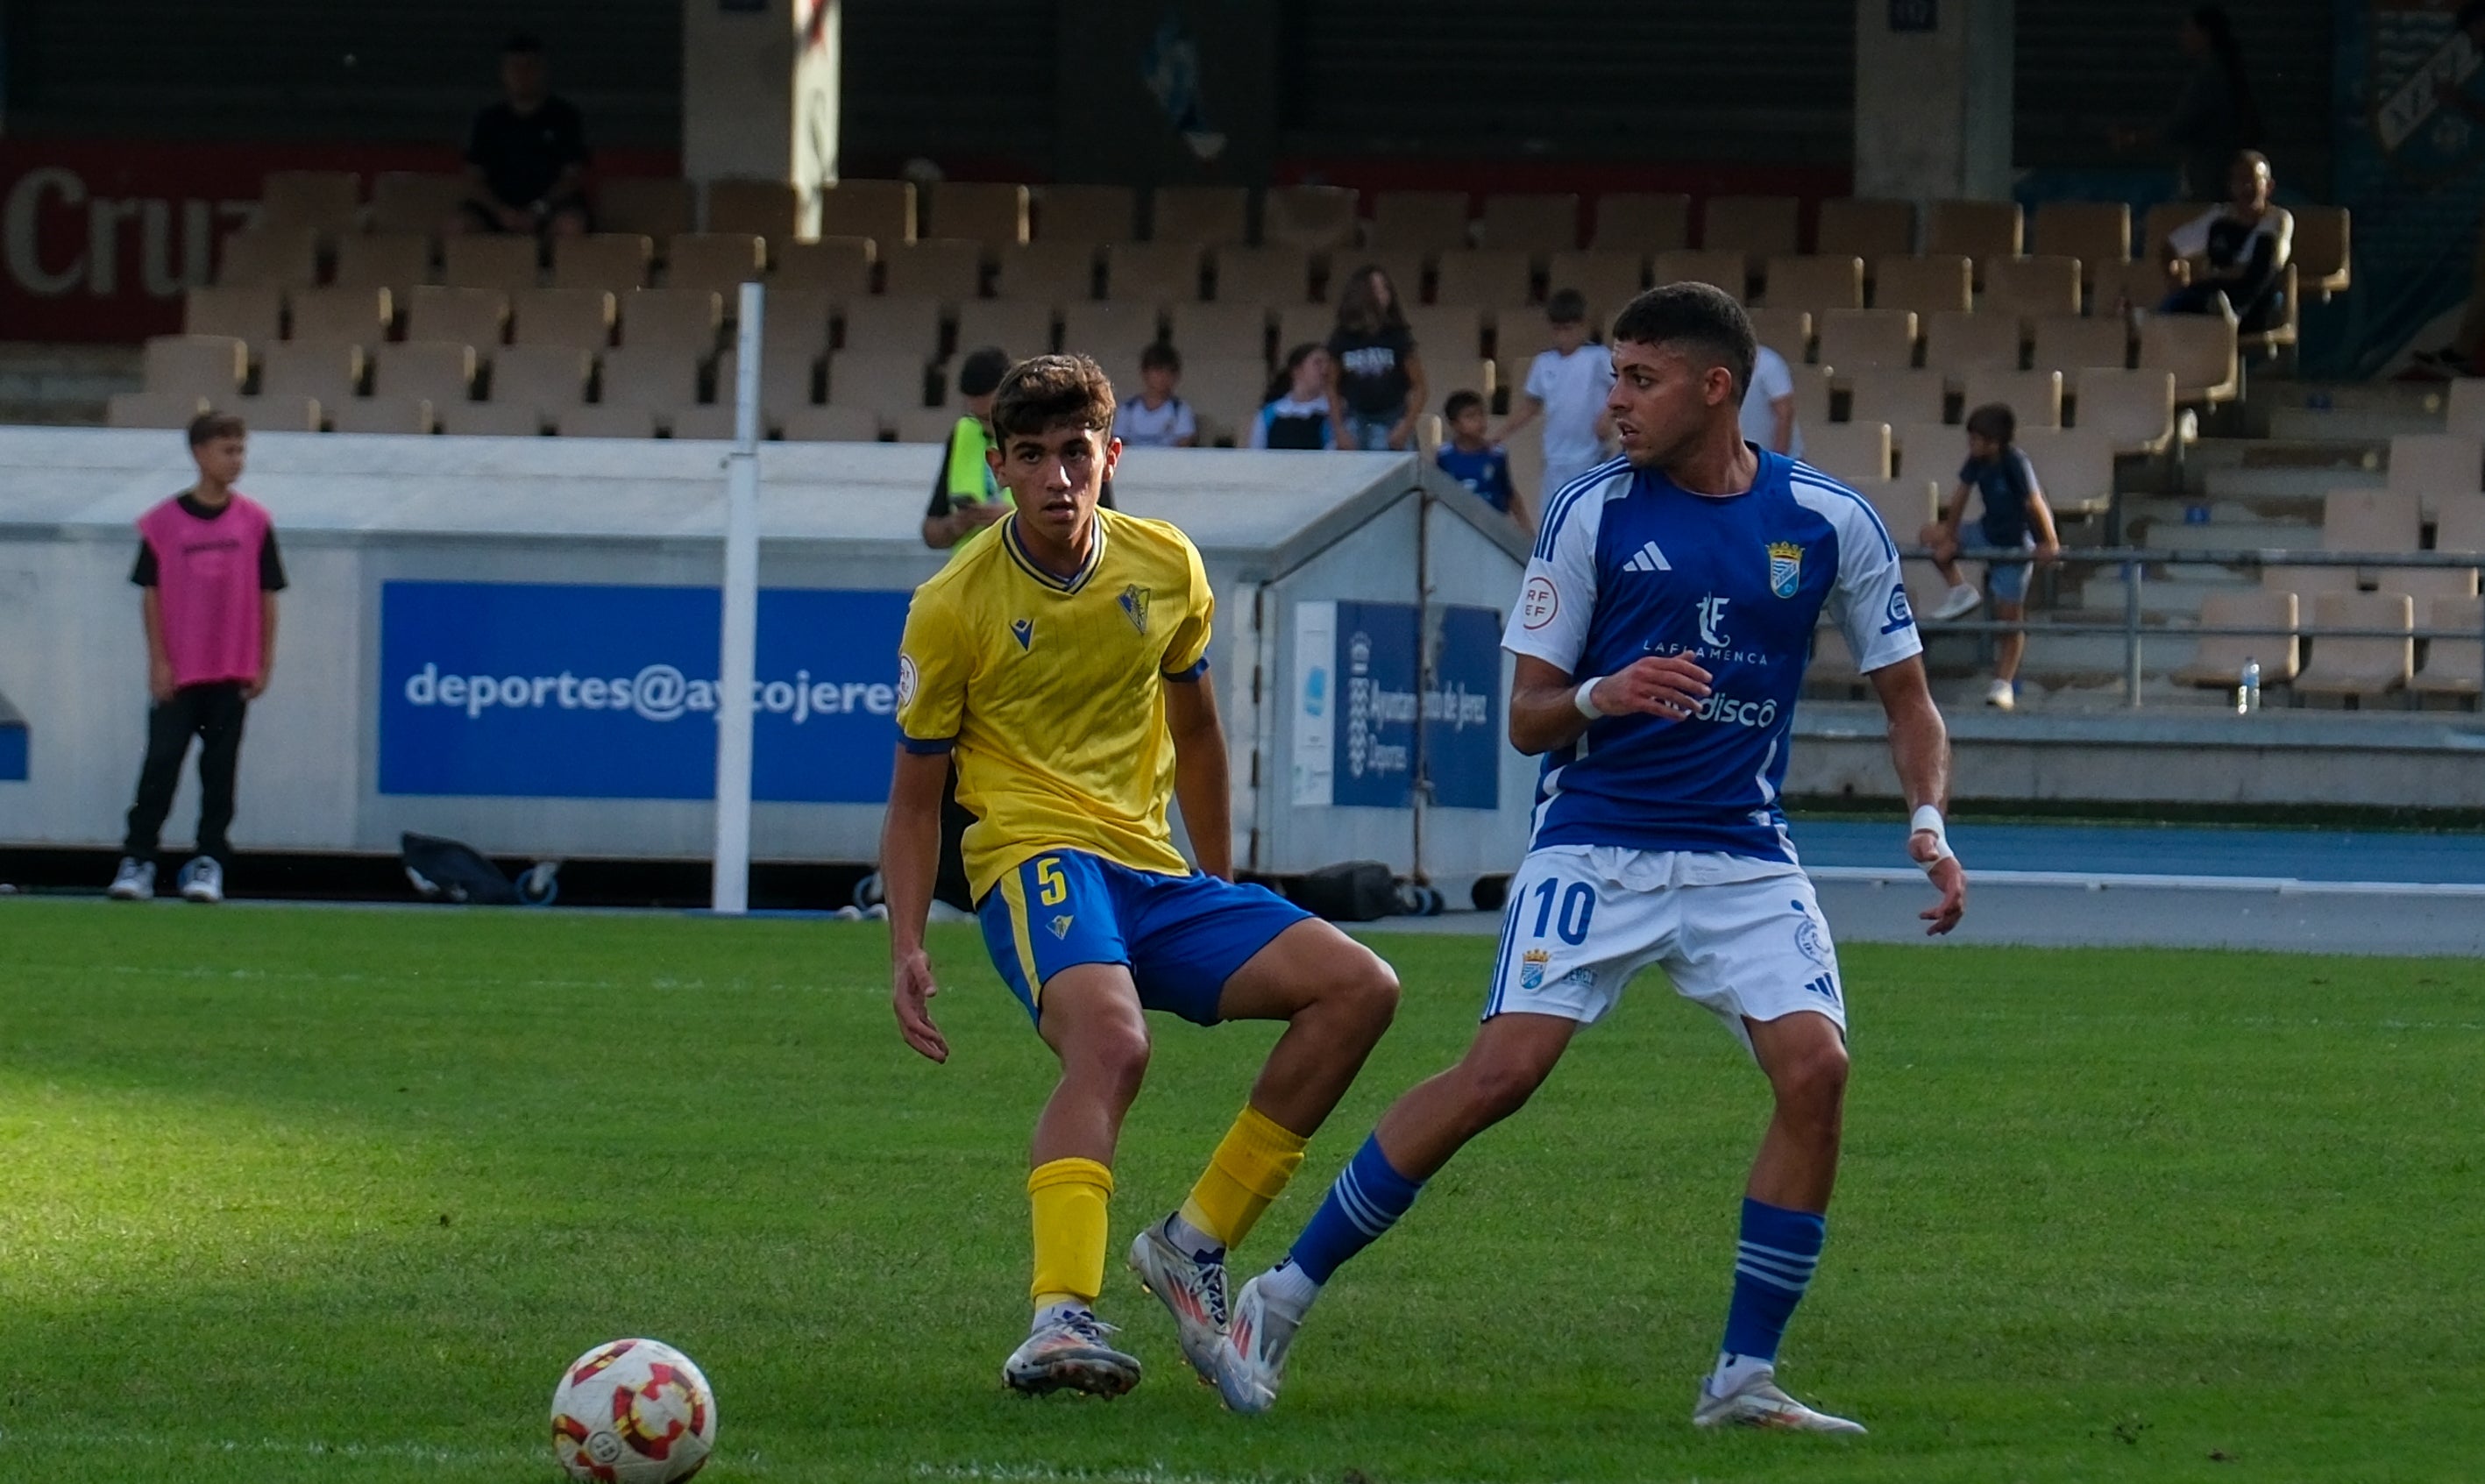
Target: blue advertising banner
x,y
584,692
1462,711
13,752
1377,651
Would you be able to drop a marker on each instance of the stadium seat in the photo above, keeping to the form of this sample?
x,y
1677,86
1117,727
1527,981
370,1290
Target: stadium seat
x,y
1850,226
153,409
545,378
1609,280
1854,340
893,327
1426,222
1786,331
604,420
681,321
1812,388
1305,324
837,266
2074,466
1726,270
2158,223
880,383
1152,272
326,202
329,373
2199,349
347,317
803,317
2365,668
1537,226
2459,523
1447,334
2437,465
1850,452
2308,581
2072,343
282,412
2321,255
392,261
1817,284
1404,267
1642,223
1202,215
924,425
1226,394
580,317
2134,409
831,424
1927,451
770,209
414,201
2218,664
789,377
2033,396
2453,667
950,269
280,256
467,316
434,372
2096,233
2372,520
1020,327
401,415
1978,229
1905,507
1317,219
1927,285
1086,216
722,261
1896,397
1047,272
1757,226
990,212
492,419
245,312
505,264
2425,584
653,379
882,210
1112,334
1276,274
710,424
2032,288
208,365
1219,330
613,261
1956,345
1485,275
658,207
2118,288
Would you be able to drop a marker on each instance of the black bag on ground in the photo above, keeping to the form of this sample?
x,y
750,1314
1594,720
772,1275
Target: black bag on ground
x,y
444,871
1354,891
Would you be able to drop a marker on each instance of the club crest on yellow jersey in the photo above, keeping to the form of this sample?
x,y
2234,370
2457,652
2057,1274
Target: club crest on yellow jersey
x,y
1135,607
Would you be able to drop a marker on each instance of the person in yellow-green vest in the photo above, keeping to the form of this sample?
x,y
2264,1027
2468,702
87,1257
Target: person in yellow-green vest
x,y
966,497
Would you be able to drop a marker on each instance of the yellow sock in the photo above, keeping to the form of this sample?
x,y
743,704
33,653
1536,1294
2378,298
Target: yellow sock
x,y
1248,1171
1070,1199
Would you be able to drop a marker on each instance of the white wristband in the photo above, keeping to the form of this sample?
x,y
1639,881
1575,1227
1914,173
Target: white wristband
x,y
1928,820
1585,699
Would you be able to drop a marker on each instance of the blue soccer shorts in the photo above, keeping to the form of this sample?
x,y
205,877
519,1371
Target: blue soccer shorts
x,y
1182,937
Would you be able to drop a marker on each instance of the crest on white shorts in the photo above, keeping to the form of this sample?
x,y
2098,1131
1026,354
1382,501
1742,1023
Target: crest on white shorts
x,y
1531,967
1807,937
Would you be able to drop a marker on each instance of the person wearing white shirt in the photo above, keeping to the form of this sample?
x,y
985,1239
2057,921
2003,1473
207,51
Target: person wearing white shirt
x,y
1768,406
1567,386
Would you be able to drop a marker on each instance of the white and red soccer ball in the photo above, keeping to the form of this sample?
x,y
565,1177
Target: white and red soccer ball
x,y
633,1412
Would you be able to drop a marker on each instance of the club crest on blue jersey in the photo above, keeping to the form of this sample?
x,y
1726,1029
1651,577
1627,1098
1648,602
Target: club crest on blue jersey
x,y
1024,630
1135,607
1531,967
1786,567
1061,925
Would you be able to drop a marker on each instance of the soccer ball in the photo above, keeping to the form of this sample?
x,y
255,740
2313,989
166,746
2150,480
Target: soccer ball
x,y
633,1412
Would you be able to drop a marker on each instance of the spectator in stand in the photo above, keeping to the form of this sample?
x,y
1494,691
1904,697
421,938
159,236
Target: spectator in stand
x,y
1474,460
208,563
1301,410
526,158
2016,518
1567,386
1768,405
1157,418
2244,244
1379,379
966,495
2215,117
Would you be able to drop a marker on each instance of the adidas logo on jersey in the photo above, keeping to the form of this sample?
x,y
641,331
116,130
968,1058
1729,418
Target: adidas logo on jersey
x,y
1647,558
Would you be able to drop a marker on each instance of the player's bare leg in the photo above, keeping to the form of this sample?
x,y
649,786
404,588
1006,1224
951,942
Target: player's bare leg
x,y
1804,1058
1510,1057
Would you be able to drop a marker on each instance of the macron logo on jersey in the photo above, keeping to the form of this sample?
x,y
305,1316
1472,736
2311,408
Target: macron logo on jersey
x,y
1647,558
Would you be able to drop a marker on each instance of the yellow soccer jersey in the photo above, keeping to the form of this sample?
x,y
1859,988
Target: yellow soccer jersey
x,y
1053,693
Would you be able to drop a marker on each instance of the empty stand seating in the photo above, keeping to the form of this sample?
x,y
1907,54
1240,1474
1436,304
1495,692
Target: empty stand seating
x,y
154,409
1815,283
711,423
615,261
655,379
1224,393
1020,327
993,215
352,316
245,312
1925,285
2219,662
2133,408
1642,222
2075,465
1086,214
1608,279
840,267
1897,397
281,253
2033,396
605,421
326,372
2363,667
578,318
767,209
950,269
2073,343
2032,288
1275,274
285,412
1959,344
718,261
1052,271
208,365
1786,331
1536,225
1204,215
2453,667
910,326
396,261
1853,340
1152,272
1758,227
883,211
414,201
1220,330
1851,227
881,383
684,320
472,316
325,201
2435,465
1419,221
831,424
492,419
1978,230
2199,349
658,207
402,415
1483,276
1728,270
2321,256
1113,334
544,378
508,264
1852,452
2096,233
789,381
433,372
1315,218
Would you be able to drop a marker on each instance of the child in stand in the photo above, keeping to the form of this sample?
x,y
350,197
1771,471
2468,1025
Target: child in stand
x,y
1567,386
1156,417
1472,460
2016,517
1301,410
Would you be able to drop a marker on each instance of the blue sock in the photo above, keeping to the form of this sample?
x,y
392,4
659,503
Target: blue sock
x,y
1772,1267
1367,1200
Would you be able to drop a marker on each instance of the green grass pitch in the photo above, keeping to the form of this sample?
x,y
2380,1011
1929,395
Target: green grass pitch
x,y
333,1195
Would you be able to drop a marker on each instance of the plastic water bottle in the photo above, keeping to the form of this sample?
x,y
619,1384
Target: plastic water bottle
x,y
2248,689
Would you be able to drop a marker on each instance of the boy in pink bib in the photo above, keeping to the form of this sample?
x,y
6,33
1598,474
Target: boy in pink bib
x,y
208,563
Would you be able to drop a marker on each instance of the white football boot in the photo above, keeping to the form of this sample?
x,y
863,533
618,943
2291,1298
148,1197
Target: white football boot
x,y
133,882
1192,1286
203,880
1070,1354
1759,1403
1261,1332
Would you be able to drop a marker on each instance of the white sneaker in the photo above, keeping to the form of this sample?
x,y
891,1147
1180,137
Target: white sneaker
x,y
1192,1286
134,882
203,880
1263,1331
1958,603
1070,1354
2002,696
1758,1403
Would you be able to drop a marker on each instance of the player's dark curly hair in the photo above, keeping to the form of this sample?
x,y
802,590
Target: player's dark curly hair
x,y
1702,321
1046,392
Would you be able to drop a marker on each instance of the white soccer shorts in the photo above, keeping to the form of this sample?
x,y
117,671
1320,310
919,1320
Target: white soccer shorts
x,y
1582,919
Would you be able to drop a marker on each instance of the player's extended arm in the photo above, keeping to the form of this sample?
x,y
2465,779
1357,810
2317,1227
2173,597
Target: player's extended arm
x,y
910,856
1201,780
1919,747
1544,709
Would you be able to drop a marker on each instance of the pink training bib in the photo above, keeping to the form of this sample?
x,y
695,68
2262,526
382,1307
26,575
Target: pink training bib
x,y
208,583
